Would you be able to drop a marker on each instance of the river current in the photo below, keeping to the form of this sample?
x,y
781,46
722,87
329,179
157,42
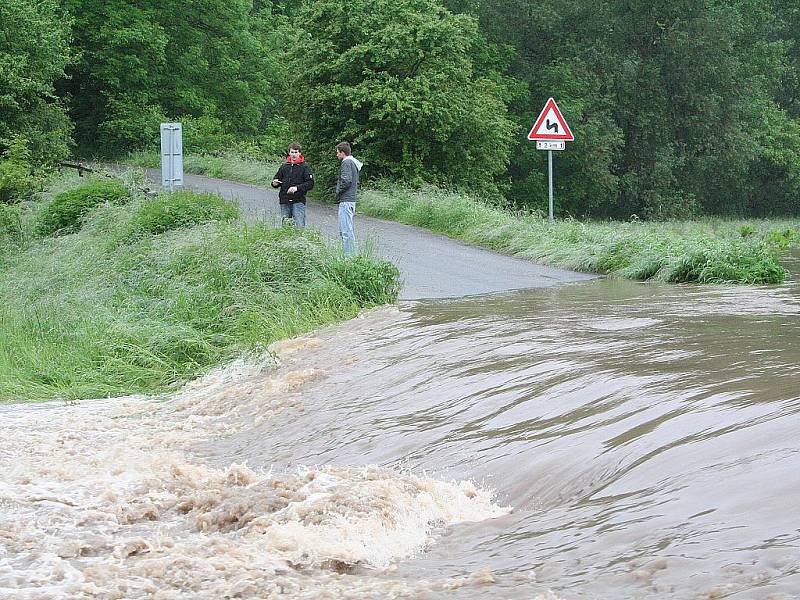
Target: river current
x,y
600,440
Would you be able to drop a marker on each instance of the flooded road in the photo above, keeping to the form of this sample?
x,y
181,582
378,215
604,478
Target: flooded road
x,y
599,440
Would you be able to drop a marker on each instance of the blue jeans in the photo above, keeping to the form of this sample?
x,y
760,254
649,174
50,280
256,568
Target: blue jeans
x,y
347,211
295,211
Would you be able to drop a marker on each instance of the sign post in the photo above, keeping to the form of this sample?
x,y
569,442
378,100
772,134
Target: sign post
x,y
551,132
171,155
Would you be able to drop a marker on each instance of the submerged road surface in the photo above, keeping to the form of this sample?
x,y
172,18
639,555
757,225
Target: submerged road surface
x,y
431,265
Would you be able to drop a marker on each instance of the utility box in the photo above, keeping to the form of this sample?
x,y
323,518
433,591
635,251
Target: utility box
x,y
171,155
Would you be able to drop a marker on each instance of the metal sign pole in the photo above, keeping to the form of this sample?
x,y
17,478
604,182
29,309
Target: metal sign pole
x,y
550,181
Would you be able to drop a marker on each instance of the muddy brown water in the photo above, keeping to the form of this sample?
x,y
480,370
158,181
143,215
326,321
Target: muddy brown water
x,y
637,440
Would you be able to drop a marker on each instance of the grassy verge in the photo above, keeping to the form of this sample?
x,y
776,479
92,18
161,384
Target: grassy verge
x,y
224,166
150,292
703,251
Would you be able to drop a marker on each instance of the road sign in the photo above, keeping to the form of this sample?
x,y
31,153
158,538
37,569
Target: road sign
x,y
171,155
545,145
551,125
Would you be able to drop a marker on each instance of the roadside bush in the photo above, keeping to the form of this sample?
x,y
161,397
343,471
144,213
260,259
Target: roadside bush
x,y
66,212
181,209
205,134
17,179
130,126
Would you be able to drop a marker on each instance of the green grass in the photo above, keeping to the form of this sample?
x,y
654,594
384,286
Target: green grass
x,y
223,166
64,214
703,251
102,312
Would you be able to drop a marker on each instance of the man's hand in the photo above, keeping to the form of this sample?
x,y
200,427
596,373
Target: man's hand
x,y
292,190
276,182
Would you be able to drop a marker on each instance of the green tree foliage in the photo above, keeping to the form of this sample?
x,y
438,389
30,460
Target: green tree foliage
x,y
18,181
396,78
34,49
679,107
144,62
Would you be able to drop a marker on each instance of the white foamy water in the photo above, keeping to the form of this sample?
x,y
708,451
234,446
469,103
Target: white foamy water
x,y
107,499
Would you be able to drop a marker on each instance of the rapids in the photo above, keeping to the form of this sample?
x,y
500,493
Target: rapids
x,y
600,440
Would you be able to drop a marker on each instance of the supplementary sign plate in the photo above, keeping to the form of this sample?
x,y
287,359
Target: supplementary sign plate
x,y
545,145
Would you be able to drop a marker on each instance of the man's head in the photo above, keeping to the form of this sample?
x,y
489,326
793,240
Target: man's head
x,y
294,150
343,150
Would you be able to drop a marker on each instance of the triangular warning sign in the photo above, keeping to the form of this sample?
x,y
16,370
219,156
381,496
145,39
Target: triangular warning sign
x,y
551,125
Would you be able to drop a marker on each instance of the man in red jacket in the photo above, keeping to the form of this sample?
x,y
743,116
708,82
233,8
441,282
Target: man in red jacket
x,y
294,179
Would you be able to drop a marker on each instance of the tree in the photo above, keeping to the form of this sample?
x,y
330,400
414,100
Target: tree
x,y
396,79
557,49
34,49
143,62
669,100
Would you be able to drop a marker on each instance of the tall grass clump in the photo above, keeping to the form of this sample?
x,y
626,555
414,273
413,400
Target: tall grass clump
x,y
10,224
705,251
180,209
65,213
102,312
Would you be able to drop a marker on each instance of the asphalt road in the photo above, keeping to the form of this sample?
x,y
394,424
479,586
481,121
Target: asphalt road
x,y
432,265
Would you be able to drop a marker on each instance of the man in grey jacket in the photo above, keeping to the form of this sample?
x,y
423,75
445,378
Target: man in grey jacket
x,y
346,188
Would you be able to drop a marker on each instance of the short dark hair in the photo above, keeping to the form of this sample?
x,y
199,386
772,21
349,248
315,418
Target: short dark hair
x,y
344,147
294,146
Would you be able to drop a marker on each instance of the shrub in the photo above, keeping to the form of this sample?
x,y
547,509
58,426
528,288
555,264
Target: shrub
x,y
66,212
747,231
204,134
130,126
181,209
17,180
781,240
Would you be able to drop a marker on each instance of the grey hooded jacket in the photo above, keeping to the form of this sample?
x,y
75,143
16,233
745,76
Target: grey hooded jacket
x,y
347,184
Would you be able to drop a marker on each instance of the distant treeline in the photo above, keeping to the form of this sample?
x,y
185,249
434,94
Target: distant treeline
x,y
680,108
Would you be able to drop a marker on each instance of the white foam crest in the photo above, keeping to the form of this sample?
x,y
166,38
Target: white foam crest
x,y
245,388
370,516
106,499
